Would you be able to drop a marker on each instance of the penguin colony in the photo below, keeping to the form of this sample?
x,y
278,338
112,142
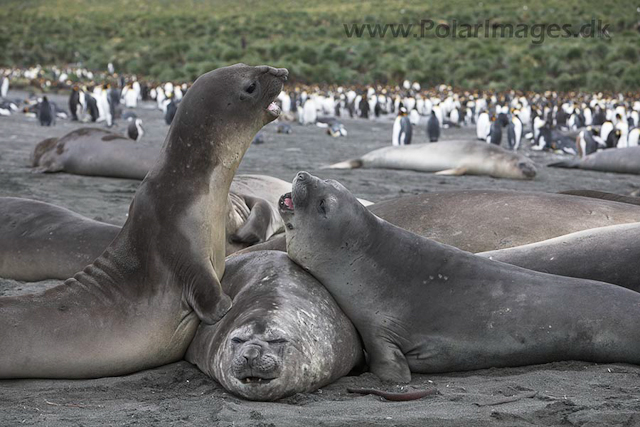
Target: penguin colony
x,y
573,123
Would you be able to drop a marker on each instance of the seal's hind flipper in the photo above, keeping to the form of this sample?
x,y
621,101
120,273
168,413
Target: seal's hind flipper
x,y
453,172
568,164
349,164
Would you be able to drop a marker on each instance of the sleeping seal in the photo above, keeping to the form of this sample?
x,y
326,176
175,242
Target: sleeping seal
x,y
284,334
424,307
619,160
139,304
448,158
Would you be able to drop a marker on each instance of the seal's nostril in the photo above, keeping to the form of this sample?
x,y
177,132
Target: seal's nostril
x,y
251,354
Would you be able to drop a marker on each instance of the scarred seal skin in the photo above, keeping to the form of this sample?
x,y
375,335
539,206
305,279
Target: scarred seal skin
x,y
285,334
138,304
421,306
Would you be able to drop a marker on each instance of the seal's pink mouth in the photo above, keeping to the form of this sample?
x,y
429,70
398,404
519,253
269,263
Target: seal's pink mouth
x,y
274,109
286,203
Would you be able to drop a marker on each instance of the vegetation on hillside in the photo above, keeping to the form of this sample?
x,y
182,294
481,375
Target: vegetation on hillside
x,y
178,40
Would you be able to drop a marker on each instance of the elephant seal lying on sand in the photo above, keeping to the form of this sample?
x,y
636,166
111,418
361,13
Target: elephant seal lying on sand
x,y
448,158
619,160
42,241
608,254
284,334
424,307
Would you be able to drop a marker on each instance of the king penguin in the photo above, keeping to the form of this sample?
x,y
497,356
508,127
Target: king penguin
x,y
433,127
402,129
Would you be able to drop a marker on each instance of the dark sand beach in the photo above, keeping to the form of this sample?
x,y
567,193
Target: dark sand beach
x,y
565,393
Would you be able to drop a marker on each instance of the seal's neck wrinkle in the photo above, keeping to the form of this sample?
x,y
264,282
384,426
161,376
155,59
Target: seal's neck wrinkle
x,y
203,154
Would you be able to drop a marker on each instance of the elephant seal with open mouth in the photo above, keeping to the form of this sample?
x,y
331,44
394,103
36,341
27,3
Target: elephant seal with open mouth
x,y
139,304
421,306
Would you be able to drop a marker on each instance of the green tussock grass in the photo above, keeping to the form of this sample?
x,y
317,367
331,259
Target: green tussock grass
x,y
178,40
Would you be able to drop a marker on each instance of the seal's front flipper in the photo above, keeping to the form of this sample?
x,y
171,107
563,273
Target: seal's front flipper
x,y
388,362
453,172
256,227
204,294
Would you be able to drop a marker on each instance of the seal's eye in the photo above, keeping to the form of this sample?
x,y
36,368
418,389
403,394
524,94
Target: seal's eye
x,y
278,341
237,340
251,88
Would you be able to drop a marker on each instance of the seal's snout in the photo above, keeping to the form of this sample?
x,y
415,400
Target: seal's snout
x,y
281,73
303,176
255,363
528,170
274,87
301,188
251,354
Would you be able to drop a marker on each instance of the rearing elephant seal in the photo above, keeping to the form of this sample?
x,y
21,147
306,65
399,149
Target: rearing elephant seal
x,y
421,306
284,334
139,304
448,158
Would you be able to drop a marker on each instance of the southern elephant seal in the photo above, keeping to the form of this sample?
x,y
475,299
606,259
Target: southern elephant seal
x,y
253,210
139,304
252,215
448,158
285,334
603,195
41,241
95,152
607,254
486,220
619,160
424,307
